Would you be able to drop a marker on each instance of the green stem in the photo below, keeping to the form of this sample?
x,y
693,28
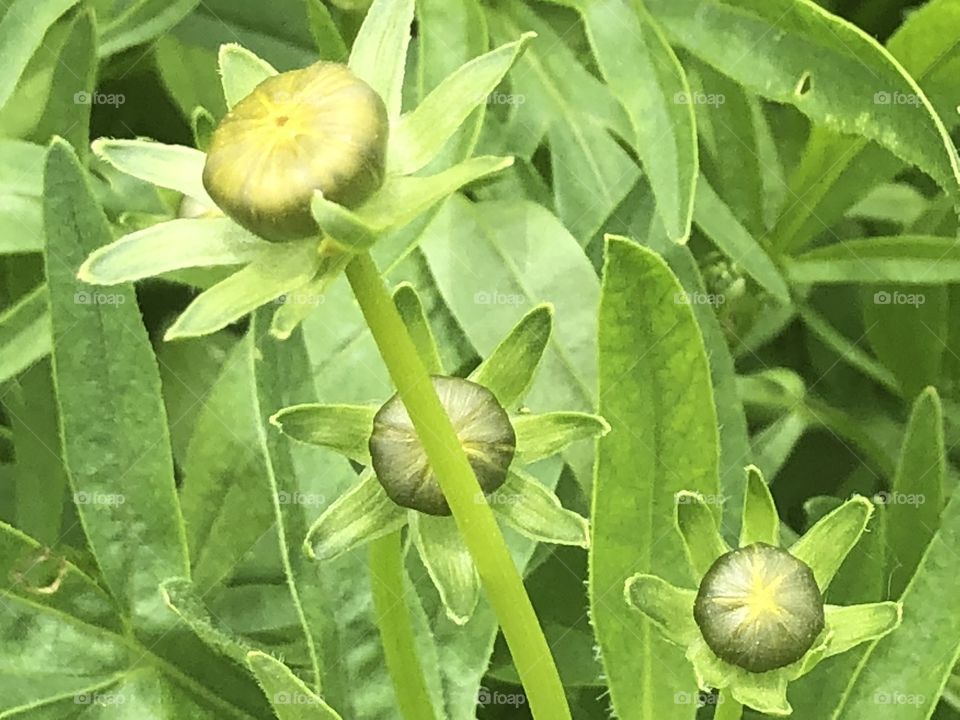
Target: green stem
x,y
396,631
499,576
727,707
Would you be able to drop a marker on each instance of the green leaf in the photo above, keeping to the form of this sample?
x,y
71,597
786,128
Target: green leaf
x,y
916,496
172,245
361,514
670,608
290,697
536,512
826,67
419,136
141,22
126,497
720,224
21,187
22,28
346,429
698,528
654,379
449,564
761,523
541,435
181,597
324,29
508,371
411,311
240,72
281,269
24,334
379,52
900,259
827,543
850,626
648,79
911,665
169,166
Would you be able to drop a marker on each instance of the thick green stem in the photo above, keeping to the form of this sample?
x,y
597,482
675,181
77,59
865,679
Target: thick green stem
x,y
396,631
501,581
727,707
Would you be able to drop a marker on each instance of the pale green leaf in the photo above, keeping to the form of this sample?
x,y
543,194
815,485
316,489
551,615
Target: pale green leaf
x,y
761,523
908,259
535,511
825,546
24,333
240,72
449,564
540,435
343,428
290,697
169,166
379,53
670,608
140,23
698,528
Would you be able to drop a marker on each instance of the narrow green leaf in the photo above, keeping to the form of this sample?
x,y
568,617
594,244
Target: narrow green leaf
x,y
202,123
361,514
174,167
761,523
419,136
126,497
241,71
654,378
283,268
698,527
343,428
344,226
535,511
827,543
850,626
508,371
449,564
667,606
290,697
172,245
324,29
542,435
379,53
411,311
900,259
180,596
916,496
142,22
24,334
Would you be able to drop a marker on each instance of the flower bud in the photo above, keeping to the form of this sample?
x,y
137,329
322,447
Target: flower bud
x,y
319,128
484,430
759,608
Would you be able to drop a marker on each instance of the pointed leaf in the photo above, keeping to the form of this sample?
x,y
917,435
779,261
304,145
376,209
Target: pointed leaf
x,y
180,596
174,167
912,259
172,245
418,325
669,607
420,135
290,697
343,428
847,627
24,333
448,562
542,435
535,511
509,369
343,225
761,523
827,543
361,514
282,268
764,692
698,527
240,72
379,53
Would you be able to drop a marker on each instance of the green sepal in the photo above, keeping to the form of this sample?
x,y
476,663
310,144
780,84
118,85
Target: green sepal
x,y
847,627
509,369
540,435
202,124
299,302
668,607
766,692
240,72
284,268
825,546
536,512
360,515
345,429
169,246
761,523
698,528
289,696
174,167
353,232
411,311
419,136
448,563
379,52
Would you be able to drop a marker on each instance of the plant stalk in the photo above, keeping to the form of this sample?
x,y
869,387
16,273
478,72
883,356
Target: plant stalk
x,y
396,630
727,707
481,534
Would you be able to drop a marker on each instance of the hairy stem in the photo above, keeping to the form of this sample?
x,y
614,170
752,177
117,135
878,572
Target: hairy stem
x,y
501,581
396,630
727,707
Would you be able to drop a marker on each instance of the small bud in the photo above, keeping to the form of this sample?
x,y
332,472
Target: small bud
x,y
484,430
759,608
319,128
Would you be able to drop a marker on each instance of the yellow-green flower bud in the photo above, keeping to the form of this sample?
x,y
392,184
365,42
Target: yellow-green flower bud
x,y
319,128
484,430
759,608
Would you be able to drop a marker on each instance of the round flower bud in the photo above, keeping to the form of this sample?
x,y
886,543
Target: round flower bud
x,y
481,423
759,608
319,128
